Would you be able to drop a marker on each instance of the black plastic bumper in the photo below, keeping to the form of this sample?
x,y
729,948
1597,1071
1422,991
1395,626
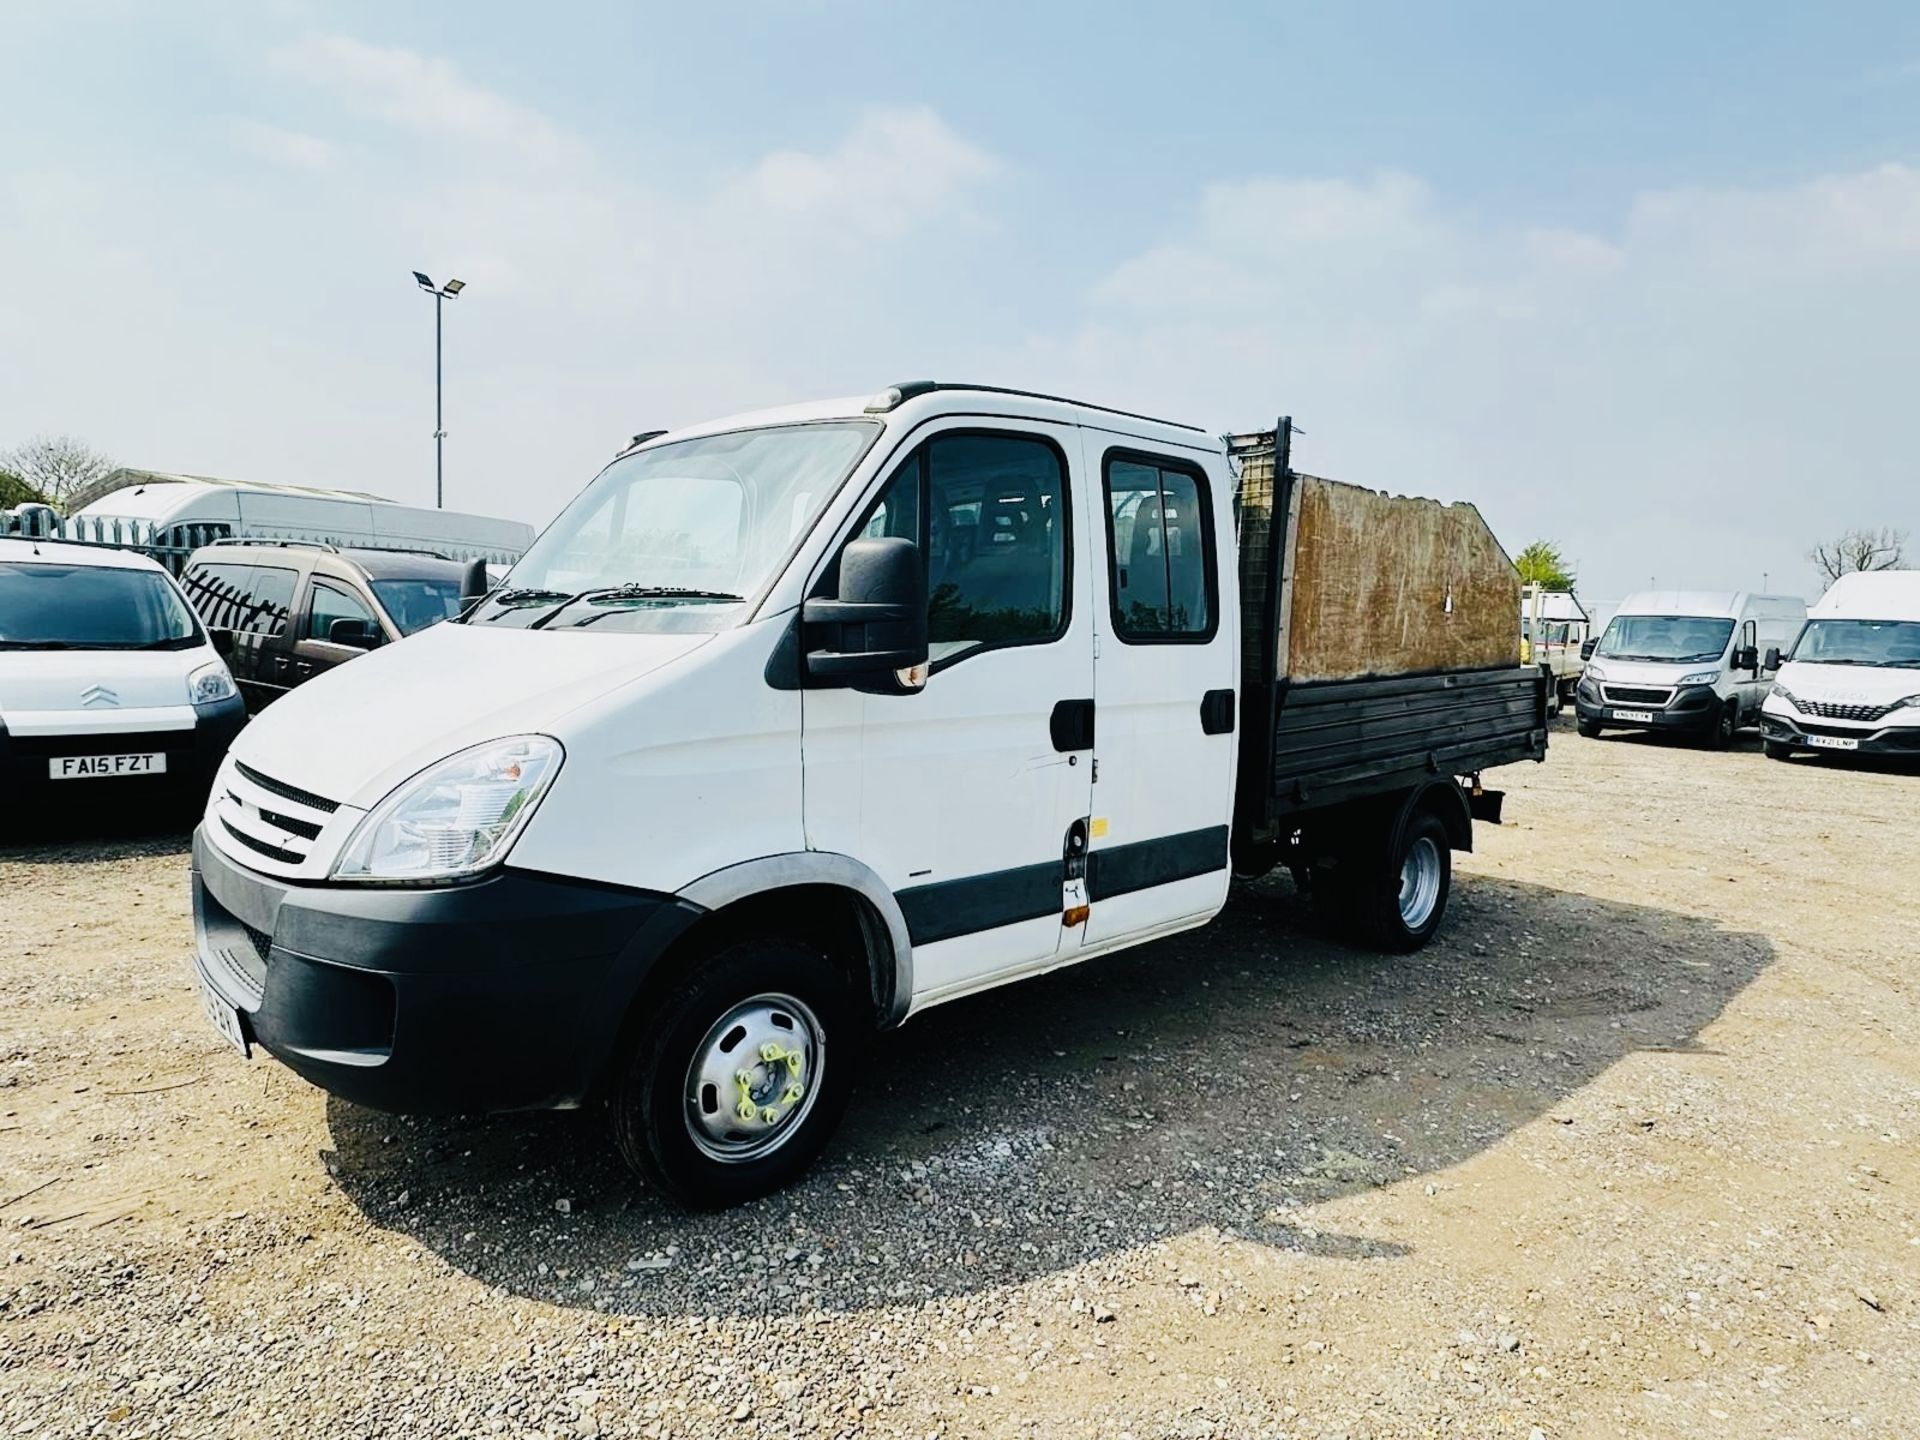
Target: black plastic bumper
x,y
193,755
505,994
1900,741
1692,711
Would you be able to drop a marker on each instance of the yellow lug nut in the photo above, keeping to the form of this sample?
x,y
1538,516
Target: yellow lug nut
x,y
769,1115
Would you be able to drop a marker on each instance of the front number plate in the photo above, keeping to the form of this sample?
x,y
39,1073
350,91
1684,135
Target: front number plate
x,y
93,767
222,1016
1833,742
1634,717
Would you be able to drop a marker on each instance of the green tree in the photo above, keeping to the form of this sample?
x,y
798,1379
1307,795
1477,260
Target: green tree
x,y
1542,564
15,491
58,466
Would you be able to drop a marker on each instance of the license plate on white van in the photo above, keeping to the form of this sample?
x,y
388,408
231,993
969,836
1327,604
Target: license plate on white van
x,y
1634,717
94,767
222,1016
1833,742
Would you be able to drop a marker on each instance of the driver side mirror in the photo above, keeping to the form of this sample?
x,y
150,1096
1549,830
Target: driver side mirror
x,y
221,640
357,633
1773,657
1587,648
1746,657
876,627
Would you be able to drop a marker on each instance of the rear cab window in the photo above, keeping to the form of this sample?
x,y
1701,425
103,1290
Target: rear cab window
x,y
1162,579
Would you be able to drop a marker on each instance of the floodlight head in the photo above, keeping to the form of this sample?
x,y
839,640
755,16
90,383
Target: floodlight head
x,y
425,283
453,288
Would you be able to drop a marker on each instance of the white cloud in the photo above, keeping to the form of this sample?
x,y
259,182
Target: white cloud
x,y
1692,392
283,147
426,94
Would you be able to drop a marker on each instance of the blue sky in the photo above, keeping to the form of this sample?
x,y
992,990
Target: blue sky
x,y
1642,279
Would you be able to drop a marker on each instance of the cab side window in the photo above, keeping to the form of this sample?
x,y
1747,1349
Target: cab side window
x,y
988,512
329,605
1159,551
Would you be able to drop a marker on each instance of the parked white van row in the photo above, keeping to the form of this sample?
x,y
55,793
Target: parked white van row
x,y
1852,679
1688,662
178,514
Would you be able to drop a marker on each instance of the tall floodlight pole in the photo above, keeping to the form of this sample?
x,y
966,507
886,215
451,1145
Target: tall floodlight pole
x,y
440,293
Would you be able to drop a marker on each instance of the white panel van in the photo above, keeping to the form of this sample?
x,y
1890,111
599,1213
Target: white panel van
x,y
1688,662
1852,680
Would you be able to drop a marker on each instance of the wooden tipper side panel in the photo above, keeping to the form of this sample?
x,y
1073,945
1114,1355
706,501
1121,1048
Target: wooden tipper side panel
x,y
1394,585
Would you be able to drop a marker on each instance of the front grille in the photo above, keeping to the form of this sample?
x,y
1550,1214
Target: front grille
x,y
272,852
1636,695
1866,714
305,829
286,791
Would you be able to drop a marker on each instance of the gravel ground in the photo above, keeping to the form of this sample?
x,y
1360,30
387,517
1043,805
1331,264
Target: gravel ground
x,y
1630,1150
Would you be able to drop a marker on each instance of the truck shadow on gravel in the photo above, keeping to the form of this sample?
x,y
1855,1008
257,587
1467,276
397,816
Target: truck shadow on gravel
x,y
1231,1078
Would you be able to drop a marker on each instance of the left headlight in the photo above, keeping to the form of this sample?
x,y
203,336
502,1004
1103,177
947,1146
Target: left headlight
x,y
1912,702
210,683
455,818
1701,677
1785,694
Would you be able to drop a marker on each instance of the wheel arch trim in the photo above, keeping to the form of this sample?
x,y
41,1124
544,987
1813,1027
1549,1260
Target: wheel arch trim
x,y
731,884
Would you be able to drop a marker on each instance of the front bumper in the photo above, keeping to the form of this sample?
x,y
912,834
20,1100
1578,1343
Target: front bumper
x,y
1692,710
193,755
1894,740
507,993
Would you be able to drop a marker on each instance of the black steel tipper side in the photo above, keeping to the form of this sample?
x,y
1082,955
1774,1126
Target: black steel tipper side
x,y
1340,740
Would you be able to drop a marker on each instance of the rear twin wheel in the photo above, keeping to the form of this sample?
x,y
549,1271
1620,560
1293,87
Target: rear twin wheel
x,y
1393,901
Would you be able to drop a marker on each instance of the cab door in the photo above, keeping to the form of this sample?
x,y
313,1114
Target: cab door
x,y
1165,688
967,795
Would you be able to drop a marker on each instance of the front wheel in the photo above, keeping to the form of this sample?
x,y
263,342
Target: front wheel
x,y
1776,751
1589,728
1398,906
740,1073
1720,737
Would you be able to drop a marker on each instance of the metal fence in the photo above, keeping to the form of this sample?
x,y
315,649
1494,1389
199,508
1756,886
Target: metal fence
x,y
168,544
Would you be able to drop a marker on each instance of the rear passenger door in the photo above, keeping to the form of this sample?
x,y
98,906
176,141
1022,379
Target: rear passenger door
x,y
255,603
1165,693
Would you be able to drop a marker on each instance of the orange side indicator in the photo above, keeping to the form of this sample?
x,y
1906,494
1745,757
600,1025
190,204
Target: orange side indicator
x,y
1075,915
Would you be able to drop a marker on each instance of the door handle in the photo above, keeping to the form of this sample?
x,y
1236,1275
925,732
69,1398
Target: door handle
x,y
1216,712
1071,725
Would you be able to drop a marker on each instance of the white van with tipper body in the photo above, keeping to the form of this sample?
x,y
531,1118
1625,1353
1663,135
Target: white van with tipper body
x,y
1695,663
795,724
1851,682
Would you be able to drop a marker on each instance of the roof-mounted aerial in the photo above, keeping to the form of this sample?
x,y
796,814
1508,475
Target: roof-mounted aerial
x,y
895,396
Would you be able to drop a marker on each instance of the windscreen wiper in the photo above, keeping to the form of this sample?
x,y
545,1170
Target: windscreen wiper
x,y
37,645
633,590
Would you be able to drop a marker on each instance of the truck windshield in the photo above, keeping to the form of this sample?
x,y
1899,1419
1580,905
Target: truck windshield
x,y
1671,639
674,536
91,607
1894,644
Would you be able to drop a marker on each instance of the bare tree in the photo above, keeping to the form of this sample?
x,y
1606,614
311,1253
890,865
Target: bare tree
x,y
1884,548
56,465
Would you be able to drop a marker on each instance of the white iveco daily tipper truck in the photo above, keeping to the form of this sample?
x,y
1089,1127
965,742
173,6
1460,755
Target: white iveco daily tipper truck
x,y
796,724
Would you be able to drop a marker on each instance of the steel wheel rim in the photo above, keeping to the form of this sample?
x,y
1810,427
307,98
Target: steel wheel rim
x,y
747,1060
1419,882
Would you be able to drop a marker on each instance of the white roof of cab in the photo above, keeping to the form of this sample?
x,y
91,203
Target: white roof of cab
x,y
17,551
947,399
1872,595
